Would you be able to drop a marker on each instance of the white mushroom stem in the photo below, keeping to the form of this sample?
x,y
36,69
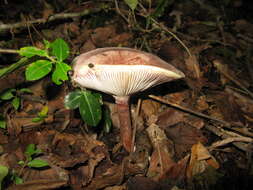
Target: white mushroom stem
x,y
125,121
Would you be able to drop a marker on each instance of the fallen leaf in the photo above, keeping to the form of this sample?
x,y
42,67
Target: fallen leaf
x,y
162,157
200,160
139,182
184,136
39,185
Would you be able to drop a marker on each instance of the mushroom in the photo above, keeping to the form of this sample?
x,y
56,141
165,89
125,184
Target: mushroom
x,y
122,72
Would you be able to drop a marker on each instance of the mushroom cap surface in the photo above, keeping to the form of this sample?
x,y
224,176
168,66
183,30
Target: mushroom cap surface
x,y
121,71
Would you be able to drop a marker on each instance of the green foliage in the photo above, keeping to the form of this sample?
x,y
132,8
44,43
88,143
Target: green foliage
x,y
3,173
30,152
15,102
13,95
38,69
90,108
30,161
132,4
89,105
60,49
72,100
60,72
7,94
16,179
160,8
2,122
53,56
37,163
41,115
31,51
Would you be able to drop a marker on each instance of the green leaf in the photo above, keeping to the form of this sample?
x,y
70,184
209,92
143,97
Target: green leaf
x,y
15,102
18,180
60,49
99,97
30,150
90,108
2,124
43,112
21,162
37,119
38,69
25,90
3,173
160,8
7,94
72,100
31,51
132,4
37,163
46,44
60,73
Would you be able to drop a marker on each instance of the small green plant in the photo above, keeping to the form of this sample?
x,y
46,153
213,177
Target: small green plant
x,y
15,178
14,95
31,152
2,122
132,4
52,60
3,173
41,115
89,105
30,161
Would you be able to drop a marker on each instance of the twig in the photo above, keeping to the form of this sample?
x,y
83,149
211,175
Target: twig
x,y
6,27
227,124
217,63
230,140
8,51
119,12
246,38
233,138
249,62
173,35
22,62
232,126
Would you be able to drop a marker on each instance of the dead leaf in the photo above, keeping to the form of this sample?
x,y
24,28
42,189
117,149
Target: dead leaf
x,y
169,117
150,107
200,160
39,185
178,171
116,187
193,68
139,182
3,139
202,104
162,157
184,136
111,176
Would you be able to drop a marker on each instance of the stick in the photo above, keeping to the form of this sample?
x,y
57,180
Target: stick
x,y
6,27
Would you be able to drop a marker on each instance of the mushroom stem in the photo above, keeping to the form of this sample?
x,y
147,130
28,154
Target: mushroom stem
x,y
125,121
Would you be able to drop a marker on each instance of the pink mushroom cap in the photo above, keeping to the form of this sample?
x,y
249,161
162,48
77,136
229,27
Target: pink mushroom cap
x,y
121,71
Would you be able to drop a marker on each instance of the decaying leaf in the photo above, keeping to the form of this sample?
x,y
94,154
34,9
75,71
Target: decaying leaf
x,y
39,185
200,160
162,157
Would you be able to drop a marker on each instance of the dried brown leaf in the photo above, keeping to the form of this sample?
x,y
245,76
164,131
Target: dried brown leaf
x,y
184,136
200,160
39,185
162,157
